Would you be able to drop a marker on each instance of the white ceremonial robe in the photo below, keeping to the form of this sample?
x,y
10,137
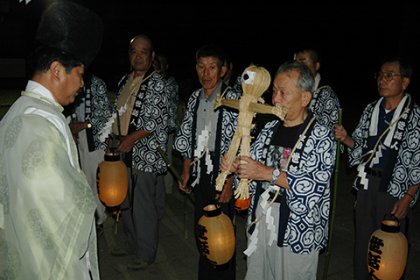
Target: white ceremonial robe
x,y
46,204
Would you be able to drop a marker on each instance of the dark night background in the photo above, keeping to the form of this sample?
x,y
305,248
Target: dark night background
x,y
352,37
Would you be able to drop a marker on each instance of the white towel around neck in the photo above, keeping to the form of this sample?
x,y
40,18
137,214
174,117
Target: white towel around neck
x,y
373,129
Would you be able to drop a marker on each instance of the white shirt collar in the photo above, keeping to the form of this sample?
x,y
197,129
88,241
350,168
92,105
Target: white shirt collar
x,y
35,87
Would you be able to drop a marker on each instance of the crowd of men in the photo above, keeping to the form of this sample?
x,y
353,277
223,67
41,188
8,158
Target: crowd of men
x,y
51,214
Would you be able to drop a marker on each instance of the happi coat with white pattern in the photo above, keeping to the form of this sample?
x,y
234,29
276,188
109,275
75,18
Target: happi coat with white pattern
x,y
325,105
185,141
151,114
309,196
406,171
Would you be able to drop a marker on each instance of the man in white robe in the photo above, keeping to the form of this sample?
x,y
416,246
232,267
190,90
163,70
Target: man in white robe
x,y
46,205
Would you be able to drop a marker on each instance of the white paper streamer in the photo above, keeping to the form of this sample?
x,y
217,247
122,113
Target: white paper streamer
x,y
270,227
269,219
362,174
378,155
252,244
106,130
202,143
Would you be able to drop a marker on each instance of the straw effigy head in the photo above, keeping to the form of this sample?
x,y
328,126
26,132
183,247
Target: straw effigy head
x,y
255,80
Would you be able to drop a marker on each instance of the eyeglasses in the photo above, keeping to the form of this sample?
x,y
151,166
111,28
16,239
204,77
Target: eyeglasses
x,y
388,75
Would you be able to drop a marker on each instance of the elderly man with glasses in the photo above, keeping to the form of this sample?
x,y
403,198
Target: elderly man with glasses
x,y
386,148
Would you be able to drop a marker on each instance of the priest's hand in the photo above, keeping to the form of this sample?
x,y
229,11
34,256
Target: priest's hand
x,y
76,127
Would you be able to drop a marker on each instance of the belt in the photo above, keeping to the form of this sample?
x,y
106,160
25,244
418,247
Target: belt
x,y
278,198
375,173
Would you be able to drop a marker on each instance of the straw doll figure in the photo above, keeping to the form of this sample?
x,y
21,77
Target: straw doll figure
x,y
255,81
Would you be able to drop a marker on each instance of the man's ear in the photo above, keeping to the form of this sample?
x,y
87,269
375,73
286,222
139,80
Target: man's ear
x,y
306,98
223,71
406,82
317,66
56,70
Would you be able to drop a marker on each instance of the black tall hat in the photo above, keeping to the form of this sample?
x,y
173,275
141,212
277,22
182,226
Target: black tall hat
x,y
72,28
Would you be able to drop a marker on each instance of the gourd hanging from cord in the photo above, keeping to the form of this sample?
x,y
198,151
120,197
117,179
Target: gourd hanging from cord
x,y
242,204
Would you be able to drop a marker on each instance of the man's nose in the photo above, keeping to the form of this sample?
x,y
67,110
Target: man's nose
x,y
382,80
275,96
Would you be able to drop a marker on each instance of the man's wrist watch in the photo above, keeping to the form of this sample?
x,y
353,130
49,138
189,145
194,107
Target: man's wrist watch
x,y
276,174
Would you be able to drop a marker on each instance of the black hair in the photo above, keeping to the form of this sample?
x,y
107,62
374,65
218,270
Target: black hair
x,y
406,70
41,58
212,51
313,50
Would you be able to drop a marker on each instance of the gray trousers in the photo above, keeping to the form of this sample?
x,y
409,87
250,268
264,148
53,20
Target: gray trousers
x,y
141,223
270,262
371,207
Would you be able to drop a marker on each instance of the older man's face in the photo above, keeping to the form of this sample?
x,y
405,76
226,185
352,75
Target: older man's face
x,y
285,91
394,87
141,56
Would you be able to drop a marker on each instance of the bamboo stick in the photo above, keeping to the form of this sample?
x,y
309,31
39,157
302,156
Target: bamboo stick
x,y
168,163
333,202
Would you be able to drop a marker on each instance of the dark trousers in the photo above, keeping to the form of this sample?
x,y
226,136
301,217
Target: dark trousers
x,y
204,192
372,205
141,223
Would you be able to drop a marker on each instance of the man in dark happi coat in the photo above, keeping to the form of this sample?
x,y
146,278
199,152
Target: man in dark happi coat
x,y
201,131
142,105
386,148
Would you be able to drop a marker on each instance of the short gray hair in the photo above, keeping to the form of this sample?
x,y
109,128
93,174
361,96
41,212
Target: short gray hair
x,y
306,81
